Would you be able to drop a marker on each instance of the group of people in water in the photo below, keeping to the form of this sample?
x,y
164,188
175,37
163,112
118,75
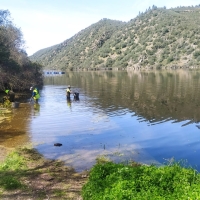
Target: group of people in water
x,y
10,95
69,92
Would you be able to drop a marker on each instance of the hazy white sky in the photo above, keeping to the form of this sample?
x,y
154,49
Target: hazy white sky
x,y
45,23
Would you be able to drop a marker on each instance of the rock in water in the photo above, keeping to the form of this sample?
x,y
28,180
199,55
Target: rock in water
x,y
57,144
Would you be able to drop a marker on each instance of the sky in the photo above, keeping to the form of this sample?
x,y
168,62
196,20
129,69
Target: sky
x,y
45,23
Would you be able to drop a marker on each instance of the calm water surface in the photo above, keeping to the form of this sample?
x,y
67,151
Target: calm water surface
x,y
149,117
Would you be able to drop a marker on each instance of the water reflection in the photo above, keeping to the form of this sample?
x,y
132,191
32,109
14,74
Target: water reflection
x,y
154,96
36,110
14,129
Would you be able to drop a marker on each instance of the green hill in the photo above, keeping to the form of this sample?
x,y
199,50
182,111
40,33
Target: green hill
x,y
158,38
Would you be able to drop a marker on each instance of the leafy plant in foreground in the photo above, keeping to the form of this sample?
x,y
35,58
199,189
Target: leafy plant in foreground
x,y
119,181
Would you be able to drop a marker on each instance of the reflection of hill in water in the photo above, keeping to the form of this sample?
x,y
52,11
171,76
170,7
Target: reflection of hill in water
x,y
155,96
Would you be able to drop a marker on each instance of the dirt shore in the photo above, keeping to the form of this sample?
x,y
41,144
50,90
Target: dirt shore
x,y
45,179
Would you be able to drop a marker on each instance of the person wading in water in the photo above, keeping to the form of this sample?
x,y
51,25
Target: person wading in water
x,y
35,94
10,95
68,91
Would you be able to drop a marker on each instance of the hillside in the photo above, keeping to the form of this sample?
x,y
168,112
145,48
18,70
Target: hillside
x,y
157,38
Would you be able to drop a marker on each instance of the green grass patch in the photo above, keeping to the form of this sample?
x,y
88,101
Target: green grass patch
x,y
120,181
14,161
59,193
9,182
10,171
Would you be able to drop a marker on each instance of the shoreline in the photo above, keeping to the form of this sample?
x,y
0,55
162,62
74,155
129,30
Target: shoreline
x,y
41,178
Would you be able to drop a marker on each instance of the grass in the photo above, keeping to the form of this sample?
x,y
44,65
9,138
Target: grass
x,y
10,171
25,174
59,193
9,182
121,181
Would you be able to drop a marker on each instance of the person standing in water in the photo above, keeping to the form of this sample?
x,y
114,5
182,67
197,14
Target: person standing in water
x,y
10,95
35,94
68,92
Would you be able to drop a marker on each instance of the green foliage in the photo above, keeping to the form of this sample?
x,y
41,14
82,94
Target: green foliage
x,y
13,163
16,70
9,182
196,54
118,51
169,34
109,62
152,60
119,181
4,52
170,59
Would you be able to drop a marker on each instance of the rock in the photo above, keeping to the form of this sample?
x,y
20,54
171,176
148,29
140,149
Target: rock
x,y
57,144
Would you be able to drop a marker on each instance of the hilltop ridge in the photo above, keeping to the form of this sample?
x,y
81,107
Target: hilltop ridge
x,y
157,38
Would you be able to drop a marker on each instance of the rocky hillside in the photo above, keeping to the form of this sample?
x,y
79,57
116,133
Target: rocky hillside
x,y
158,38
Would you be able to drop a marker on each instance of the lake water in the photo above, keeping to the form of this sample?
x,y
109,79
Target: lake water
x,y
146,116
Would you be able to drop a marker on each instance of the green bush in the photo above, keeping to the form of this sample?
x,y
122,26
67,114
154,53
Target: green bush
x,y
151,60
109,62
123,45
150,52
170,59
120,181
118,51
104,55
196,54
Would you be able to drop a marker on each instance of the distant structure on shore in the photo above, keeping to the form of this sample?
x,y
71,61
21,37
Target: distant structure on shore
x,y
52,72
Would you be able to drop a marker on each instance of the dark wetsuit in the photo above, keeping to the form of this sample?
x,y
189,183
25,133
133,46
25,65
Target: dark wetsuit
x,y
11,96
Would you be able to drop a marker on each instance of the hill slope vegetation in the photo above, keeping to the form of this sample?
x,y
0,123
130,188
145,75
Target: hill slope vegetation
x,y
158,38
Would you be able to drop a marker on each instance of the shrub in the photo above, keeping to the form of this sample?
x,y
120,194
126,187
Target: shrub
x,y
196,54
123,45
119,181
109,62
151,60
118,51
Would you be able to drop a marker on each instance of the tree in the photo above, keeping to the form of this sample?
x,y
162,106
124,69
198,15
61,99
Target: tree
x,y
5,18
16,70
